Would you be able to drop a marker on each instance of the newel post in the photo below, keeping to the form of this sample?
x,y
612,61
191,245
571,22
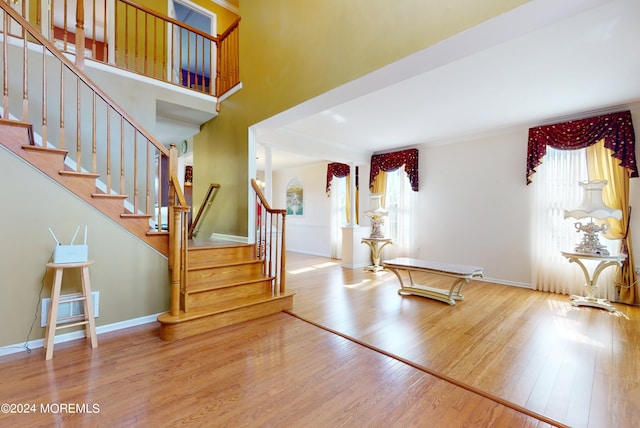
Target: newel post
x,y
80,34
283,259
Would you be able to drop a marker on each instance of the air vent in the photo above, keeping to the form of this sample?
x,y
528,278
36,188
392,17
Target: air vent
x,y
68,309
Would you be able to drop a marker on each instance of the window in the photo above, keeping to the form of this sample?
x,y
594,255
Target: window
x,y
556,189
400,201
338,214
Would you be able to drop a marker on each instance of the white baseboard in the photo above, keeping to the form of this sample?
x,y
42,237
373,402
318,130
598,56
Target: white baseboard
x,y
61,338
307,252
356,266
503,282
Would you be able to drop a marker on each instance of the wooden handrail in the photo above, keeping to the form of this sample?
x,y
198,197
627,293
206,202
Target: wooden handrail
x,y
205,205
144,41
263,199
228,65
76,107
182,201
228,31
204,77
170,20
270,222
35,34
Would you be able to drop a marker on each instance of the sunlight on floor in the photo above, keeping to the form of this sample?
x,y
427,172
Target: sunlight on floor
x,y
361,283
301,270
568,328
324,265
312,268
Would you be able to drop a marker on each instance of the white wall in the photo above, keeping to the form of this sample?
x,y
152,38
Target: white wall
x,y
473,205
310,233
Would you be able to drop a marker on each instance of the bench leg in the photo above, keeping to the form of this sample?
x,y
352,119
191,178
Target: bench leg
x,y
447,296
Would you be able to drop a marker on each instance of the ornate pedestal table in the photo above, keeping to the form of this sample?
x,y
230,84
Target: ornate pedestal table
x,y
591,286
376,245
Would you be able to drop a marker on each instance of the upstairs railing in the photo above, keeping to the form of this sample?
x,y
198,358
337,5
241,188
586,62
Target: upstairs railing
x,y
228,59
270,238
133,37
68,111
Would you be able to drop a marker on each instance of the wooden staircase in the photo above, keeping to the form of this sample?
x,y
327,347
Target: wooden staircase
x,y
225,284
211,285
17,136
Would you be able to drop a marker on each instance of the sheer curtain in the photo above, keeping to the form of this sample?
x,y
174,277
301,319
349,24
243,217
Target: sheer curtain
x,y
338,215
395,176
556,189
400,201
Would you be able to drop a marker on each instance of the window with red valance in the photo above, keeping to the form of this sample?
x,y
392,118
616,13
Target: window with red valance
x,y
615,128
391,161
340,170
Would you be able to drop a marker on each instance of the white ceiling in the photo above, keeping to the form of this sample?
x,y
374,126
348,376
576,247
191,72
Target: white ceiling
x,y
540,63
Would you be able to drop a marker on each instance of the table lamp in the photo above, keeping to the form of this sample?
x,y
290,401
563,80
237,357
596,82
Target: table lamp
x,y
592,207
376,213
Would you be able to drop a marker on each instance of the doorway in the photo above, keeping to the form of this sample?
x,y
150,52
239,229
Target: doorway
x,y
194,56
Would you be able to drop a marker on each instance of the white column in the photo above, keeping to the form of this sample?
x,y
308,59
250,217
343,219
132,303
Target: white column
x,y
268,175
352,194
252,172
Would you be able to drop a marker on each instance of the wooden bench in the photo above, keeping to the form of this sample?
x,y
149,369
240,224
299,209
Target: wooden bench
x,y
460,273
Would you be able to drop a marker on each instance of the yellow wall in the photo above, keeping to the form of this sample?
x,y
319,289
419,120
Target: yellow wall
x,y
292,50
224,17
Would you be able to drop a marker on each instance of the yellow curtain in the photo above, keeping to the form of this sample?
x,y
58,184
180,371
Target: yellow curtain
x,y
602,166
380,186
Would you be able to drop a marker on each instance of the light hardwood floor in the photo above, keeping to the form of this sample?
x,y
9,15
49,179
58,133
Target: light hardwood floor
x,y
499,358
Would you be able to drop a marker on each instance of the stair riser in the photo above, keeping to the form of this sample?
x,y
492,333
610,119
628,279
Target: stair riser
x,y
225,297
215,256
187,328
206,278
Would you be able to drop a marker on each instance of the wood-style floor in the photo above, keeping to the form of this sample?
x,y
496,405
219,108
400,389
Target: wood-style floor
x,y
504,357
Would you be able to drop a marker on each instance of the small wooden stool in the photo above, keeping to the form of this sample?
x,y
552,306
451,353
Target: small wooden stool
x,y
87,319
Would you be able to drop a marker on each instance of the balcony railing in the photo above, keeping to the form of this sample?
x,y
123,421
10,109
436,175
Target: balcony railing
x,y
135,38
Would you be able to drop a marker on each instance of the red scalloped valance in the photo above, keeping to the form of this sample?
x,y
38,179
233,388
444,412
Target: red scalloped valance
x,y
391,161
337,169
615,128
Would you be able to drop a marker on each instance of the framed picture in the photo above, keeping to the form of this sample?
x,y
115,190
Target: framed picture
x,y
295,193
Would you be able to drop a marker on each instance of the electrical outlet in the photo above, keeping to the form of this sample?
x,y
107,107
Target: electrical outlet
x,y
638,270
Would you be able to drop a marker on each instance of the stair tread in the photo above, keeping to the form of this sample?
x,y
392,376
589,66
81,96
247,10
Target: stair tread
x,y
45,149
211,244
108,196
167,318
207,265
238,282
131,215
79,174
156,233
